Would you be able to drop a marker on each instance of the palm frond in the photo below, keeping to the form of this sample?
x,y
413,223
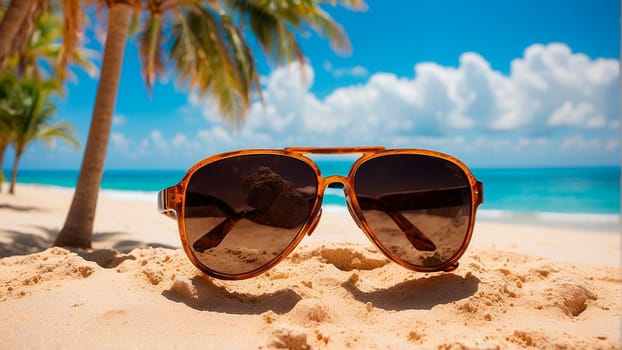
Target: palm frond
x,y
273,23
357,5
84,58
324,24
72,29
205,59
309,12
29,112
62,130
292,48
264,26
27,27
150,46
54,36
245,60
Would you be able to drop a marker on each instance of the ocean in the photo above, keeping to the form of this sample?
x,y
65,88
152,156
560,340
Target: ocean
x,y
532,193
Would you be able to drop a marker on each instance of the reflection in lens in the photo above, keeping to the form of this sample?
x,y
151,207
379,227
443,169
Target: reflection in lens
x,y
417,206
243,212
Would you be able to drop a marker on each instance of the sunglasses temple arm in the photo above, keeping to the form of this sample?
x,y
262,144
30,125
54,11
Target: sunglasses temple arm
x,y
215,236
479,193
163,204
415,236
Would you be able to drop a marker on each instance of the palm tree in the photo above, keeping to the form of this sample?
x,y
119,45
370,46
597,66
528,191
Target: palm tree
x,y
78,227
17,25
11,23
40,56
5,134
30,115
36,44
8,82
211,55
31,29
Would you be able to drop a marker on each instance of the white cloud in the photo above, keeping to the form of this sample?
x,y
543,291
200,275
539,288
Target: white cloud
x,y
578,142
549,88
529,144
582,115
121,143
550,79
180,141
119,119
216,137
468,108
158,140
612,145
144,147
357,71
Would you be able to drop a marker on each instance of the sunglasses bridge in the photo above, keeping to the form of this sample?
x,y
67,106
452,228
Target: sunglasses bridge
x,y
336,182
334,150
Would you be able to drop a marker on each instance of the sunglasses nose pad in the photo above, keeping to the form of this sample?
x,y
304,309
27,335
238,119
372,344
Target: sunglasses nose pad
x,y
315,221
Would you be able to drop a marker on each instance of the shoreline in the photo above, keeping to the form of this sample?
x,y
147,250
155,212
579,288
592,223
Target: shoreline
x,y
587,234
606,221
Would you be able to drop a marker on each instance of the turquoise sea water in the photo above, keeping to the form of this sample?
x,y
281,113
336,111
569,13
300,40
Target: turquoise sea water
x,y
554,190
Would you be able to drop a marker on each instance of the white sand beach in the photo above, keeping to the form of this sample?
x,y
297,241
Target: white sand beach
x,y
519,285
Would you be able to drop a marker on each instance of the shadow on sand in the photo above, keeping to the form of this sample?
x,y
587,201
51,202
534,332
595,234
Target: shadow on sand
x,y
40,238
204,295
23,243
20,208
418,294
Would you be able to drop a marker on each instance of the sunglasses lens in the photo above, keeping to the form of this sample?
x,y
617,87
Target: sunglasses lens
x,y
417,206
243,212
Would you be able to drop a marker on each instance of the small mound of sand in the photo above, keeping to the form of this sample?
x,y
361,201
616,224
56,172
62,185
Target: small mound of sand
x,y
184,289
23,275
286,336
573,298
350,258
529,339
311,310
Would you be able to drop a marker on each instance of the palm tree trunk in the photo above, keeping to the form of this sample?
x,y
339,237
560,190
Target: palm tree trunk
x,y
11,22
3,147
18,155
78,228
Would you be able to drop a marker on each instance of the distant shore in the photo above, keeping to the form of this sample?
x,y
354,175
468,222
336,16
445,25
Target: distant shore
x,y
603,221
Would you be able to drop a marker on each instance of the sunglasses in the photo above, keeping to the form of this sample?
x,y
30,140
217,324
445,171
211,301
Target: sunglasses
x,y
241,213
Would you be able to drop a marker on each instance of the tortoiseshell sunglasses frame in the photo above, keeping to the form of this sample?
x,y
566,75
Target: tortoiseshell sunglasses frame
x,y
171,202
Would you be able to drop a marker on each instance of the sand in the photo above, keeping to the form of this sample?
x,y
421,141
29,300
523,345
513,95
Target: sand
x,y
519,285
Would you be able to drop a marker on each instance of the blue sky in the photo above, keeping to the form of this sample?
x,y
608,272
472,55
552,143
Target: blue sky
x,y
495,83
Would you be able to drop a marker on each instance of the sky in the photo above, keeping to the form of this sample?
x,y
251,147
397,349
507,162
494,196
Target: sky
x,y
509,83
